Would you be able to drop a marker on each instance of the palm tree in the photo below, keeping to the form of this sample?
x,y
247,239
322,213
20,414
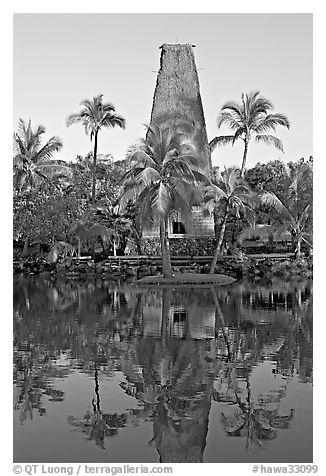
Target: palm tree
x,y
228,192
32,160
249,119
94,116
293,214
118,224
161,179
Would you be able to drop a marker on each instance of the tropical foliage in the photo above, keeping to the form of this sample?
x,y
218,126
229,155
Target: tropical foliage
x,y
33,162
228,192
94,116
95,199
249,119
44,215
175,380
161,179
293,213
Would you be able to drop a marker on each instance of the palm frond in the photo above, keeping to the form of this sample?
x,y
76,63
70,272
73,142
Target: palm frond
x,y
270,122
270,199
229,119
307,237
74,119
220,141
261,231
162,201
46,152
131,191
147,176
232,177
113,120
51,169
270,140
146,203
140,158
235,107
213,192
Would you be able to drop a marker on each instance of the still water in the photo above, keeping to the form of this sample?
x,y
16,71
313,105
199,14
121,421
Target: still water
x,y
104,373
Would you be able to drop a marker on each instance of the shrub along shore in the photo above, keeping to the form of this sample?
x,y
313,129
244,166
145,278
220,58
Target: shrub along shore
x,y
234,267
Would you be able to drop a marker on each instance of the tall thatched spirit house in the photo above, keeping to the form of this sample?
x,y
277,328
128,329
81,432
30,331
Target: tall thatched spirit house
x,y
177,102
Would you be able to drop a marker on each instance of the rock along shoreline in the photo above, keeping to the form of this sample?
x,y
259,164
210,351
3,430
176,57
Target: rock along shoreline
x,y
188,278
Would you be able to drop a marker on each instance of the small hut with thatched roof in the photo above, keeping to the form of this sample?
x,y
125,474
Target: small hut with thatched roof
x,y
177,103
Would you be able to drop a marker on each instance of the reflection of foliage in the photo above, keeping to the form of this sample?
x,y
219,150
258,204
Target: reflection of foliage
x,y
255,422
96,424
173,379
33,377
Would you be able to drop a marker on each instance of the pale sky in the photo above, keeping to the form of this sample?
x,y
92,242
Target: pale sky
x,y
60,59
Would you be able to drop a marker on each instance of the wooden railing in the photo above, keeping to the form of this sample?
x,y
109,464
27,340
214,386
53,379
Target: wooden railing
x,y
137,260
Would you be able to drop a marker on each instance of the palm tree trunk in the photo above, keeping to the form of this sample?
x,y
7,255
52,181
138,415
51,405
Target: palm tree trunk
x,y
166,303
220,316
215,216
97,390
297,253
25,249
220,241
244,158
165,249
94,168
138,240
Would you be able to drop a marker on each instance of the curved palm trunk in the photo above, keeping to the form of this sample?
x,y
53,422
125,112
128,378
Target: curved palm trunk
x,y
244,158
94,168
220,241
25,249
165,249
166,303
297,252
215,217
219,315
96,402
139,244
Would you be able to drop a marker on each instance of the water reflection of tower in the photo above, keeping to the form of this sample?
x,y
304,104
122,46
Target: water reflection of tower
x,y
177,381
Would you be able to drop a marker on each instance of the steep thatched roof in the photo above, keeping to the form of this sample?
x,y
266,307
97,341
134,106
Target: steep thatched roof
x,y
177,100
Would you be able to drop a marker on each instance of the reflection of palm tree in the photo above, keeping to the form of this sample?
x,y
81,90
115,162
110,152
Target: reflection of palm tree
x,y
96,424
220,318
256,423
32,374
296,354
174,379
175,390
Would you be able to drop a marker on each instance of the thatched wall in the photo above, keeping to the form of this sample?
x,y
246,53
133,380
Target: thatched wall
x,y
177,100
